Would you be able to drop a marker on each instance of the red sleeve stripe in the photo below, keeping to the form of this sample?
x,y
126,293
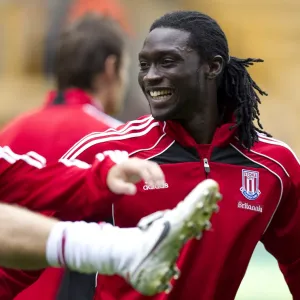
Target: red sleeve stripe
x,y
63,248
123,134
61,255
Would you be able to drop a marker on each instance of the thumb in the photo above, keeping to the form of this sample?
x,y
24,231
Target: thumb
x,y
121,187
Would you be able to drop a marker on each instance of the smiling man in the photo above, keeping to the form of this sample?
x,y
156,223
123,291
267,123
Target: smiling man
x,y
203,104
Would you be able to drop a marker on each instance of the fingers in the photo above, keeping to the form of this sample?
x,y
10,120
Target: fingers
x,y
136,170
122,187
151,173
122,177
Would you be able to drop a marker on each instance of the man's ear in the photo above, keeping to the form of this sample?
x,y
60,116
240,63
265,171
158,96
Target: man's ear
x,y
110,67
215,67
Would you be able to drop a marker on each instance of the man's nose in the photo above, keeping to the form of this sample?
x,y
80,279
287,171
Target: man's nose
x,y
152,75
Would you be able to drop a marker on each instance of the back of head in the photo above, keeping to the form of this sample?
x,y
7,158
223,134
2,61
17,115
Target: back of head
x,y
83,48
236,90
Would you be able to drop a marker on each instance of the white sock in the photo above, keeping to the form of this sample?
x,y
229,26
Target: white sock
x,y
91,247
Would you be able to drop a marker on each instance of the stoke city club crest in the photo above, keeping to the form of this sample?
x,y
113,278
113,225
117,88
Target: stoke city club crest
x,y
250,184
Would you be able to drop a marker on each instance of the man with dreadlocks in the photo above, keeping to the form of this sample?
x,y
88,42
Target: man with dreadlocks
x,y
204,105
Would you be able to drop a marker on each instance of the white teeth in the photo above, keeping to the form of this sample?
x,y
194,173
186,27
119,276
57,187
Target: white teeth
x,y
160,93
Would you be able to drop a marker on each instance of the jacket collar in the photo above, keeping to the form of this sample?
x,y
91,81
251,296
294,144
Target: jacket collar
x,y
222,137
71,96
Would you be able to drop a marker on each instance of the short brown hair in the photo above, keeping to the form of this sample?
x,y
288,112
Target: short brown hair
x,y
83,48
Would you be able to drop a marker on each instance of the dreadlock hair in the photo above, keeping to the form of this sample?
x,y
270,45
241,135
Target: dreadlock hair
x,y
237,91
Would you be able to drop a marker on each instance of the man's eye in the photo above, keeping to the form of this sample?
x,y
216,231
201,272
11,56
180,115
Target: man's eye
x,y
168,61
143,65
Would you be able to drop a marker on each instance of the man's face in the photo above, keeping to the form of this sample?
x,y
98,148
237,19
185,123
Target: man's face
x,y
171,75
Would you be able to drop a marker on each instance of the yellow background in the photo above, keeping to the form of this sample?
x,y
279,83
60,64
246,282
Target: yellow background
x,y
268,29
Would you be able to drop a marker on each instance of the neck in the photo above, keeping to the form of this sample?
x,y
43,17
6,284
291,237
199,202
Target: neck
x,y
202,126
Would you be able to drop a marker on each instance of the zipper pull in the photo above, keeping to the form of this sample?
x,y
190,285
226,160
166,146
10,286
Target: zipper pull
x,y
206,165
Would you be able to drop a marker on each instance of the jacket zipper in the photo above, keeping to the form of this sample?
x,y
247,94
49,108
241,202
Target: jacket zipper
x,y
206,167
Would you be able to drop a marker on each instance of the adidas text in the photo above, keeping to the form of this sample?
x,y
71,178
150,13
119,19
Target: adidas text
x,y
147,187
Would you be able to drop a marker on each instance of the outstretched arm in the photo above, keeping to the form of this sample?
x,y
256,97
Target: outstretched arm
x,y
74,187
79,189
23,238
26,179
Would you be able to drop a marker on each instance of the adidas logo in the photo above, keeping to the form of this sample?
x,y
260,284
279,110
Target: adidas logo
x,y
147,187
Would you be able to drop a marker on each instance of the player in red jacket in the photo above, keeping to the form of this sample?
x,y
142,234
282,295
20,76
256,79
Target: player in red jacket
x,y
140,255
204,104
90,76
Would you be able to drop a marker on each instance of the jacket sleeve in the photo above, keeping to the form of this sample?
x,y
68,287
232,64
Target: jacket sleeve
x,y
282,238
72,186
